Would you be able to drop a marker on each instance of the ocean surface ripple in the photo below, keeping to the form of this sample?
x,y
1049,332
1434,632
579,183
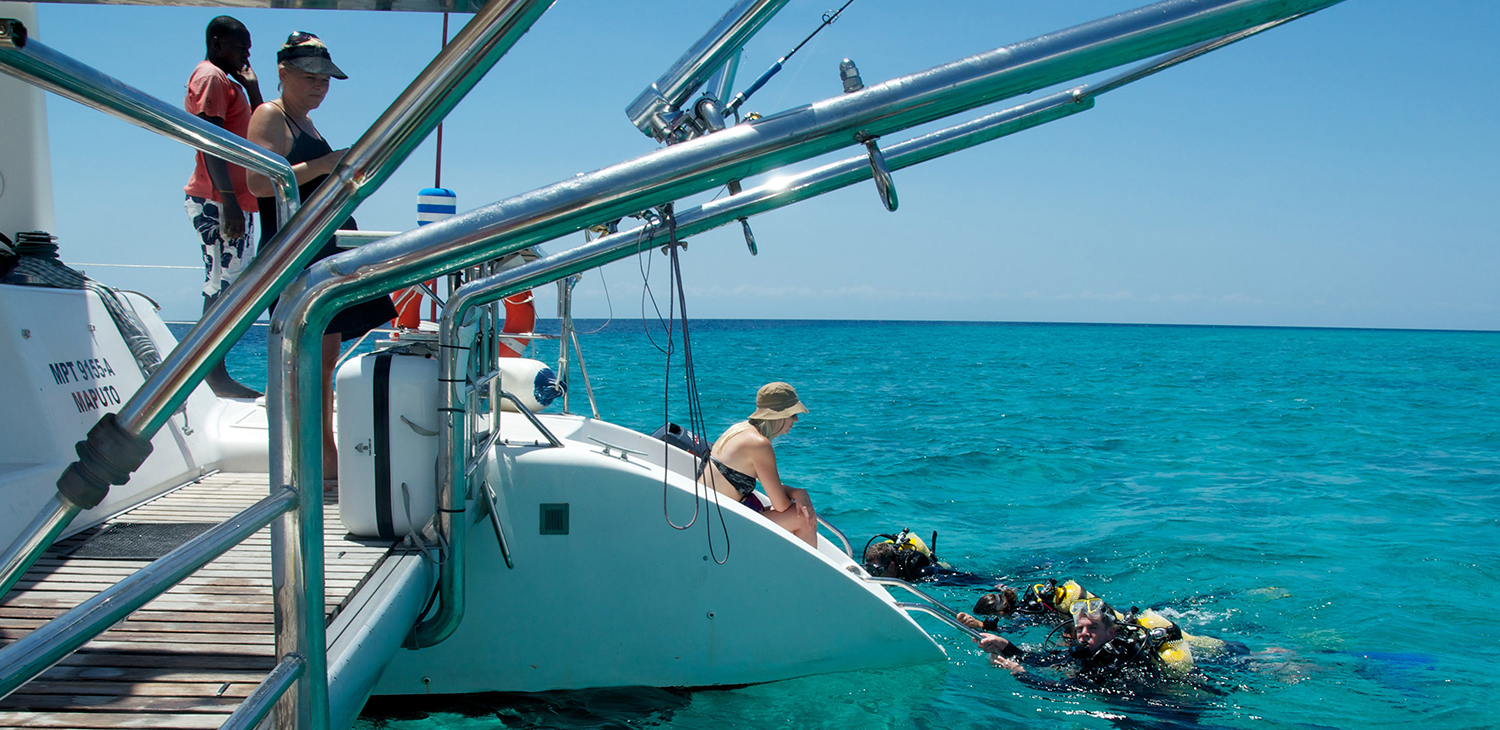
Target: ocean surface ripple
x,y
1328,497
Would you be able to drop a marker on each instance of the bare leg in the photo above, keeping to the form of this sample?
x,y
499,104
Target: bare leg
x,y
218,378
330,446
801,519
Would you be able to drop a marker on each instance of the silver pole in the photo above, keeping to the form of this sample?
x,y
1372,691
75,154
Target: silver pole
x,y
654,110
260,702
511,225
837,175
295,386
46,645
35,539
33,62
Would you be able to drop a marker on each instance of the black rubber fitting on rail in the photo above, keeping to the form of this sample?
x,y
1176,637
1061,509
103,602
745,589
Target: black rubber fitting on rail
x,y
107,456
13,32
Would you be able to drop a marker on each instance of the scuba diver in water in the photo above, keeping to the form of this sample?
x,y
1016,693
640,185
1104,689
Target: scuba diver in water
x,y
904,555
1102,651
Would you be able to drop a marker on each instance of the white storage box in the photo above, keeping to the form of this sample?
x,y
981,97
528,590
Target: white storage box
x,y
388,443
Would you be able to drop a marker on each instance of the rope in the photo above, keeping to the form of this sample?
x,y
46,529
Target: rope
x,y
677,301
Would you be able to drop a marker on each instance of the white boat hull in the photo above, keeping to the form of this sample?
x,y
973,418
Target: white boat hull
x,y
625,599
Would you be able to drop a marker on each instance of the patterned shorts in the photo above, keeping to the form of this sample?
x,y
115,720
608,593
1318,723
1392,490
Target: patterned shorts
x,y
223,261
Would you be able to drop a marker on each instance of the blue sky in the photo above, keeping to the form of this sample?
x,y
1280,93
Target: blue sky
x,y
1339,171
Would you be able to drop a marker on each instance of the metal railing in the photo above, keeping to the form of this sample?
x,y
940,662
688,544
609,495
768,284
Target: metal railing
x,y
848,549
34,653
297,548
259,704
536,423
31,61
505,227
940,615
930,606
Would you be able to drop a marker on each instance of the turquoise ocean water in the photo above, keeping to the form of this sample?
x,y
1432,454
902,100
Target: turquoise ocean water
x,y
1328,497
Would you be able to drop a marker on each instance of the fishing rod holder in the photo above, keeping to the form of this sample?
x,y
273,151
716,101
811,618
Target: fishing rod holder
x,y
881,172
657,111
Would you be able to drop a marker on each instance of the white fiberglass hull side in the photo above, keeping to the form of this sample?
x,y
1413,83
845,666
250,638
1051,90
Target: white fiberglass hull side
x,y
625,599
63,364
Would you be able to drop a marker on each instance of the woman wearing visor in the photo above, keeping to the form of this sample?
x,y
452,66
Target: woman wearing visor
x,y
282,125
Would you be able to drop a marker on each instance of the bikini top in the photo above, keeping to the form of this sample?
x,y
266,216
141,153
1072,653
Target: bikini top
x,y
742,482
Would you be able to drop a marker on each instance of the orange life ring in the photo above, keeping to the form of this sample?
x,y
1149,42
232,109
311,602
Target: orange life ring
x,y
408,303
520,317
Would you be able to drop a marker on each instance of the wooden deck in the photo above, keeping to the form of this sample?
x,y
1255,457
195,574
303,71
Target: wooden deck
x,y
187,659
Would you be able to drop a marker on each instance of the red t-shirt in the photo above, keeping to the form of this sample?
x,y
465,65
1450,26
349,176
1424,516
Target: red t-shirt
x,y
210,92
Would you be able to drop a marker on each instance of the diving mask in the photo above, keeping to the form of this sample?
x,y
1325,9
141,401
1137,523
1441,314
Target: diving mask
x,y
1087,607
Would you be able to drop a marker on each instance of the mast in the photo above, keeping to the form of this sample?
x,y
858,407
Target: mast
x,y
25,162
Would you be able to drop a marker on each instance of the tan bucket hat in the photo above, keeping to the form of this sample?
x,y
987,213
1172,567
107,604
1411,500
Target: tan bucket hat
x,y
777,400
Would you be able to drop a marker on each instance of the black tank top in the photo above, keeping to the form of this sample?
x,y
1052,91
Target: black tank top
x,y
356,319
305,148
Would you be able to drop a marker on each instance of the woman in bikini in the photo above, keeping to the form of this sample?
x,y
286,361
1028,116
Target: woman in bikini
x,y
744,455
282,126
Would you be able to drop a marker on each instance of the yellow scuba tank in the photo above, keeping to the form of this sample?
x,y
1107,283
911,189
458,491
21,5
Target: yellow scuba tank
x,y
908,540
1175,654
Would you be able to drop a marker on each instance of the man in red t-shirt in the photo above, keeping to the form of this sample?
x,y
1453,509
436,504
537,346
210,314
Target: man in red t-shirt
x,y
218,199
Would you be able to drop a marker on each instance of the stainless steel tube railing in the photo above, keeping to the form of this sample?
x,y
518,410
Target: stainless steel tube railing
x,y
260,702
536,423
46,645
782,192
848,550
453,433
297,545
33,62
652,111
918,592
510,225
53,518
941,616
930,606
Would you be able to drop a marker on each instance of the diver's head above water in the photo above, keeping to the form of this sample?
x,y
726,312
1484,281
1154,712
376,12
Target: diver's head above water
x,y
1000,603
1093,624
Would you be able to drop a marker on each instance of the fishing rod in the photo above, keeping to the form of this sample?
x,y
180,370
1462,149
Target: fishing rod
x,y
828,18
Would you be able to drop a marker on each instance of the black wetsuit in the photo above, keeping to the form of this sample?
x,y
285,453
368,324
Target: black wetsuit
x,y
1102,669
354,321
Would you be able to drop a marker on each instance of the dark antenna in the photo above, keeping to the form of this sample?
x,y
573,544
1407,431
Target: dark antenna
x,y
437,172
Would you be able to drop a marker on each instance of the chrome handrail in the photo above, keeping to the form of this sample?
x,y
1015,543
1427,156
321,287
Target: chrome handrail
x,y
34,540
32,61
848,550
261,701
919,593
554,441
297,545
510,225
34,653
945,618
837,175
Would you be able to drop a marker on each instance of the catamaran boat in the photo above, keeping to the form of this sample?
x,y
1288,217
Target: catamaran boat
x,y
173,560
